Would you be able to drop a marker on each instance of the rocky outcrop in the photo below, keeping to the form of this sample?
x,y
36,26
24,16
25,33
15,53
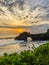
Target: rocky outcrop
x,y
23,36
35,37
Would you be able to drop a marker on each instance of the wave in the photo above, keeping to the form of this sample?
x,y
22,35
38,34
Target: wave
x,y
6,42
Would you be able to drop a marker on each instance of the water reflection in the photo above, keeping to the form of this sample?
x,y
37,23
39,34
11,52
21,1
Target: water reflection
x,y
11,46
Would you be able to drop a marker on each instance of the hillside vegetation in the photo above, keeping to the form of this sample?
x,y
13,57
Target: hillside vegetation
x,y
40,56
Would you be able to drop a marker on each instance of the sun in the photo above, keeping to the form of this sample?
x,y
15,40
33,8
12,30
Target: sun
x,y
20,30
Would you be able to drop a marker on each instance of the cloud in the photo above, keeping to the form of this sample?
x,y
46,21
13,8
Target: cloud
x,y
11,3
24,12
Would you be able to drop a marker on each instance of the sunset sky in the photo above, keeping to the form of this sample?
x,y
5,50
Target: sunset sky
x,y
15,13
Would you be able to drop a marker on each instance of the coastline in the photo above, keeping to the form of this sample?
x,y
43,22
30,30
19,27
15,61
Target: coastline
x,y
11,45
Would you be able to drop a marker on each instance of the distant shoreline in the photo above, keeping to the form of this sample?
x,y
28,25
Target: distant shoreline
x,y
7,38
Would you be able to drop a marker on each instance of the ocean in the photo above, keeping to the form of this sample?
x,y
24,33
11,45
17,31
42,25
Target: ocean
x,y
12,45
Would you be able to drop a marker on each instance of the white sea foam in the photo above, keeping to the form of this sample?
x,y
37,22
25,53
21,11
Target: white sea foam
x,y
11,45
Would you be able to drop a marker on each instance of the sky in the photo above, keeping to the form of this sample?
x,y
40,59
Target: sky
x,y
17,16
23,12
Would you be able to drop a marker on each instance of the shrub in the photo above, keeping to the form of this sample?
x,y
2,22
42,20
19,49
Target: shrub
x,y
40,56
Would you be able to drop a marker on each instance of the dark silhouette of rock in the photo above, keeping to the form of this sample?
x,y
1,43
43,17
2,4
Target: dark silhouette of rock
x,y
35,37
23,36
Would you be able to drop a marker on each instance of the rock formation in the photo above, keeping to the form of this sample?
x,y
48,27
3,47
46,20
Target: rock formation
x,y
35,37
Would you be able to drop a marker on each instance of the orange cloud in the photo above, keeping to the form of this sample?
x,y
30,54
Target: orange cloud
x,y
14,31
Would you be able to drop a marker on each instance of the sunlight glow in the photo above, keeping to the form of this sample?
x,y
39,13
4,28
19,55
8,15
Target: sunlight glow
x,y
20,30
14,31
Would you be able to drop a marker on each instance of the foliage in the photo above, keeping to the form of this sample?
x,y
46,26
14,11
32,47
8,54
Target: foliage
x,y
40,56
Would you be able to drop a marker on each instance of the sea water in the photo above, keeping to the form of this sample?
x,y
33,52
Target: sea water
x,y
12,45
